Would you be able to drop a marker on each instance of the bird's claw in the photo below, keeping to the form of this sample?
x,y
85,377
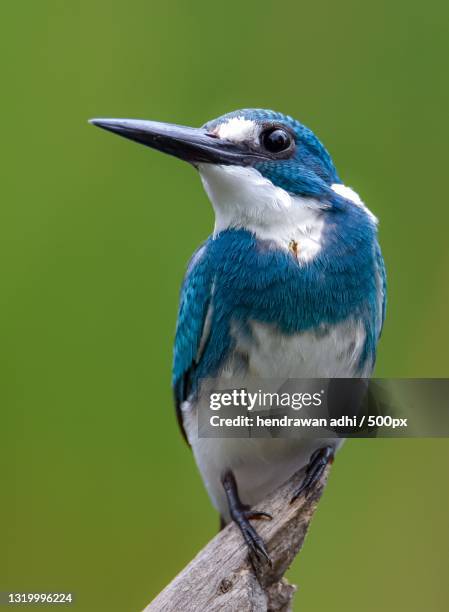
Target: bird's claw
x,y
253,540
317,464
256,545
241,514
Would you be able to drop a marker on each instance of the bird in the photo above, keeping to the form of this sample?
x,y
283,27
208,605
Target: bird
x,y
291,283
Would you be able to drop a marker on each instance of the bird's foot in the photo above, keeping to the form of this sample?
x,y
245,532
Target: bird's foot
x,y
241,514
253,540
317,464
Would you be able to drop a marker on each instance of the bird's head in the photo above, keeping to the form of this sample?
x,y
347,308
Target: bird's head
x,y
283,150
260,168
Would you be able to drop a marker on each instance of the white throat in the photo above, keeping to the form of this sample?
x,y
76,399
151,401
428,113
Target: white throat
x,y
243,198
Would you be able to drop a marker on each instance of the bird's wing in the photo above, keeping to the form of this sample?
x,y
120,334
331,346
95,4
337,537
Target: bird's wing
x,y
192,326
383,287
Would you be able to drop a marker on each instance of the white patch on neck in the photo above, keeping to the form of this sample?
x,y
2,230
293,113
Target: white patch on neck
x,y
350,194
243,198
238,129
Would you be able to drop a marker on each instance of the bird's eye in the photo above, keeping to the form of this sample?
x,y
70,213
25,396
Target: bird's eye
x,y
276,140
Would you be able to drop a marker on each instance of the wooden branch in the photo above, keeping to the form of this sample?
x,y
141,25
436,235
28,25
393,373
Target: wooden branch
x,y
223,577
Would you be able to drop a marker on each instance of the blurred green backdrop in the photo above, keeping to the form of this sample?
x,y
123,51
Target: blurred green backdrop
x,y
100,496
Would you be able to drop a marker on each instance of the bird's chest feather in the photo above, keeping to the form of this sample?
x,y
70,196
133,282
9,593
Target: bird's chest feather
x,y
329,351
268,316
273,316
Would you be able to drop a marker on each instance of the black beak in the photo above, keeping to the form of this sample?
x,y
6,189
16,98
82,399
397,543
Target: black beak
x,y
195,145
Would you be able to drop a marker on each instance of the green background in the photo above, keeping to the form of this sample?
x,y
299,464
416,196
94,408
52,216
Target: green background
x,y
100,496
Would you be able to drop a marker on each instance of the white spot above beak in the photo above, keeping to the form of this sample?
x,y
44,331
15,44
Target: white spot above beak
x,y
238,129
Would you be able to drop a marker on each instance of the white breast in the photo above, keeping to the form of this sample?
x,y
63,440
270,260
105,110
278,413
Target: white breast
x,y
331,351
259,464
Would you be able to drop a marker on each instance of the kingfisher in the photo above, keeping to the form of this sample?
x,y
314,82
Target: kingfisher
x,y
290,284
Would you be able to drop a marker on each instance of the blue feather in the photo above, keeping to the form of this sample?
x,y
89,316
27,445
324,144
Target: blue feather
x,y
246,279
